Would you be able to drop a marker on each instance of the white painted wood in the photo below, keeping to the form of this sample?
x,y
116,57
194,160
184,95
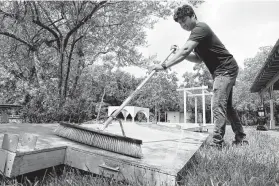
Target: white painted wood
x,y
211,107
203,107
192,88
196,110
271,101
206,94
185,107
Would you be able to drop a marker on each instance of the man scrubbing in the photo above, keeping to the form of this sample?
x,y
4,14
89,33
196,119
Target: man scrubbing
x,y
204,46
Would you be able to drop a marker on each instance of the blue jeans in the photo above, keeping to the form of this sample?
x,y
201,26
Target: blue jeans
x,y
223,110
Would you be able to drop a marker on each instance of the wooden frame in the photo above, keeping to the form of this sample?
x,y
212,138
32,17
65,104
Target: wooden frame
x,y
204,93
165,156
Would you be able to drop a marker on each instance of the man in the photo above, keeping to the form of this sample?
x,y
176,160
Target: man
x,y
204,45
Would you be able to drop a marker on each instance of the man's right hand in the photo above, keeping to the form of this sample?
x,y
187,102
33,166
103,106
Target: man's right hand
x,y
174,47
158,67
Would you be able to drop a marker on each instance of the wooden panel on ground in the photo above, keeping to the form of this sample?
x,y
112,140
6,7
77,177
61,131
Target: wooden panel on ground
x,y
166,152
21,163
119,169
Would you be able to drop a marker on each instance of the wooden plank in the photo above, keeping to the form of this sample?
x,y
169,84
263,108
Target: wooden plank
x,y
10,142
6,162
206,94
36,160
185,107
270,83
3,157
192,88
116,168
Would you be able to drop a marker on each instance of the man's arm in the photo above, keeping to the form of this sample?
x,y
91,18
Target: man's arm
x,y
184,53
193,57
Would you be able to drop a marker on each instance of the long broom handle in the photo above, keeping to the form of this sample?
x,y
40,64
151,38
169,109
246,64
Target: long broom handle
x,y
128,99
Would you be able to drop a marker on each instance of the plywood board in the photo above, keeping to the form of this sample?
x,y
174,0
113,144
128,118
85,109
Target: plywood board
x,y
117,168
35,160
165,150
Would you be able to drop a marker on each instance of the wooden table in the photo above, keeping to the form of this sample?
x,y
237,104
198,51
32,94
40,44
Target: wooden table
x,y
3,110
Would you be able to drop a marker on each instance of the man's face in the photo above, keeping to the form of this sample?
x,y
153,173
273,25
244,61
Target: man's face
x,y
186,23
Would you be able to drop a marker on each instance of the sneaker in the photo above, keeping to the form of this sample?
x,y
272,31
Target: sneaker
x,y
242,142
215,145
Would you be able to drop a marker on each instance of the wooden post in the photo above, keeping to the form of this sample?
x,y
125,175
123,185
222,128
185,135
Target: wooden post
x,y
211,107
196,111
185,106
165,116
272,120
203,107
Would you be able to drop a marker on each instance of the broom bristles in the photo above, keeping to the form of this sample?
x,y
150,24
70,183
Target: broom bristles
x,y
103,140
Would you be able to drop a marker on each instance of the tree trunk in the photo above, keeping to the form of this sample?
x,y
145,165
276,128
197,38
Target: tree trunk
x,y
38,69
100,106
60,76
155,117
68,68
80,67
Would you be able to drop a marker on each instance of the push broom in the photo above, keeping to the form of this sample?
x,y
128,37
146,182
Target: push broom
x,y
104,140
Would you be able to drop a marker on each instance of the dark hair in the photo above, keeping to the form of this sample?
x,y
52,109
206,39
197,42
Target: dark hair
x,y
183,11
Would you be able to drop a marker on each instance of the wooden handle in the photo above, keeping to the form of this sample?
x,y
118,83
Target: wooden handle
x,y
115,113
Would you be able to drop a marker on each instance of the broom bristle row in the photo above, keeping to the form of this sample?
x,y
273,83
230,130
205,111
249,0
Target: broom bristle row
x,y
118,145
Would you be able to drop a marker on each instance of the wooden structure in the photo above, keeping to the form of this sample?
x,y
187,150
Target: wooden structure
x,y
267,80
4,108
132,110
166,152
186,92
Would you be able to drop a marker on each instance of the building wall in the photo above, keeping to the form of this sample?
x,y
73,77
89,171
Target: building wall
x,y
177,117
173,117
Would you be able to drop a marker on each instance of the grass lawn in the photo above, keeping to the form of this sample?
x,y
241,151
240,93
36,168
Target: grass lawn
x,y
256,164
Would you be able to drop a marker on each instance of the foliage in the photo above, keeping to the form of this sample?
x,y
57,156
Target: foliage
x,y
243,99
159,94
48,48
56,40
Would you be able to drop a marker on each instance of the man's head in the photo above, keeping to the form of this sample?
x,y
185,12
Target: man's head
x,y
186,17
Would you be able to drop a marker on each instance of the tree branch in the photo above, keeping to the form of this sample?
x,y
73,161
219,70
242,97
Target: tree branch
x,y
18,39
83,21
109,25
39,23
53,23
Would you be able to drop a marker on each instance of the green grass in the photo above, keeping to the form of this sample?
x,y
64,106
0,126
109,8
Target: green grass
x,y
256,164
232,165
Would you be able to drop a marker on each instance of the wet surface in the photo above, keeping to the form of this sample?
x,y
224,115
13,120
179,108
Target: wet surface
x,y
168,149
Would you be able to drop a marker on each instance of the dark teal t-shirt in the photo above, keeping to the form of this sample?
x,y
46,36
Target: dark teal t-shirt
x,y
212,52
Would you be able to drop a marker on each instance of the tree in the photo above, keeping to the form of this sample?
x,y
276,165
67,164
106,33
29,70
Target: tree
x,y
113,30
242,95
159,94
